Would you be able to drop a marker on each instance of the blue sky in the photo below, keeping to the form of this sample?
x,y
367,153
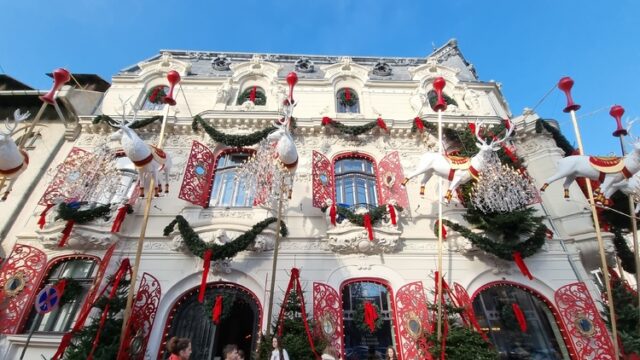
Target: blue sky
x,y
525,45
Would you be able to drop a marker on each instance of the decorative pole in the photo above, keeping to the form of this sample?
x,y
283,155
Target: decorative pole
x,y
289,104
565,84
439,84
173,77
617,111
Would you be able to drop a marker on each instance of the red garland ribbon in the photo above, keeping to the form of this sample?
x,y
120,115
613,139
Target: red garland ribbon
x,y
205,272
332,214
326,121
347,94
65,233
509,153
117,223
507,123
517,257
472,127
392,214
252,94
367,225
217,310
442,229
60,285
520,317
381,124
370,316
419,124
43,216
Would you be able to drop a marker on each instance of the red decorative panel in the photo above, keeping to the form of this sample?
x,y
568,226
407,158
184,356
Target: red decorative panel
x,y
75,158
463,300
327,312
413,321
196,182
140,323
390,177
30,263
93,292
322,181
588,332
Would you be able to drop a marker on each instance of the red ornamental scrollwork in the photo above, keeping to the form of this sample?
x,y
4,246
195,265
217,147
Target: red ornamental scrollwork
x,y
588,332
197,175
65,171
141,321
91,296
390,175
28,263
463,300
413,321
327,312
322,180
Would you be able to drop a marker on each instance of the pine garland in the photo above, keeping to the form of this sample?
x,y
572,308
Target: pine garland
x,y
353,130
358,219
358,319
72,290
627,258
628,321
261,98
137,124
560,140
231,140
228,250
433,99
70,212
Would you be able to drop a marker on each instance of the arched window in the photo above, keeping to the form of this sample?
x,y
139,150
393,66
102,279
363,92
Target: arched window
x,y
254,94
494,310
61,319
355,180
347,101
154,98
227,190
359,341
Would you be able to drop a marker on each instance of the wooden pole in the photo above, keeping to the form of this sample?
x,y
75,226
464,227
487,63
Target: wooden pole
x,y
275,256
439,230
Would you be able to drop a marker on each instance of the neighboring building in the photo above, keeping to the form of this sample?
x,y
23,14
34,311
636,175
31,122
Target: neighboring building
x,y
394,271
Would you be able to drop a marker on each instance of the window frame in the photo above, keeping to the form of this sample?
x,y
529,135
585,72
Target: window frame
x,y
212,181
374,176
347,109
145,92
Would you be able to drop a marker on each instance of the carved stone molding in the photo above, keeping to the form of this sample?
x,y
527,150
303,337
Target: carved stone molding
x,y
85,237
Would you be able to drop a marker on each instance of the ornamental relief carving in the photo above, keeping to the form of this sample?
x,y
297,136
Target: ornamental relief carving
x,y
82,237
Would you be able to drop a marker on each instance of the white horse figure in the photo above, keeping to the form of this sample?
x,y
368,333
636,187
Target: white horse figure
x,y
456,169
13,161
285,147
148,159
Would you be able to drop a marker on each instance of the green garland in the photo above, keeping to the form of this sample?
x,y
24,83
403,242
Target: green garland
x,y
66,212
261,98
156,94
352,100
72,290
352,130
231,140
560,140
433,99
137,124
625,302
210,302
228,250
358,319
358,219
627,258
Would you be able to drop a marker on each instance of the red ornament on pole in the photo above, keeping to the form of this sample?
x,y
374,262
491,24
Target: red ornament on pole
x,y
60,77
292,80
565,84
174,78
617,111
439,84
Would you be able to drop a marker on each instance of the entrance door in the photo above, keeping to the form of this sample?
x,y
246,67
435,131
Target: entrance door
x,y
239,321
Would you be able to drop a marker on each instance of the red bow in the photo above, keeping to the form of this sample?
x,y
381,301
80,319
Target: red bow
x,y
419,124
370,315
367,225
520,317
43,216
332,214
381,124
392,214
252,94
205,273
442,228
326,121
347,94
472,127
517,257
217,310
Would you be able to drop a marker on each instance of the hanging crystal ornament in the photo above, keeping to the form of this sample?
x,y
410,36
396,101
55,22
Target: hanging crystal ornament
x,y
501,188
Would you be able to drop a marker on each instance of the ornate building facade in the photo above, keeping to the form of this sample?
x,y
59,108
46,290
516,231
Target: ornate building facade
x,y
340,266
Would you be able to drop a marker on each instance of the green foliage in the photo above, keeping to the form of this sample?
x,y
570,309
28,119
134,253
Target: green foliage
x,y
358,219
231,140
433,99
627,258
228,250
625,302
67,212
560,140
343,98
261,98
620,217
353,130
72,290
210,301
137,124
358,319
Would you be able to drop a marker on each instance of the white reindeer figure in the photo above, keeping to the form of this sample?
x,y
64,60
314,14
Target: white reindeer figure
x,y
148,159
285,147
13,161
457,169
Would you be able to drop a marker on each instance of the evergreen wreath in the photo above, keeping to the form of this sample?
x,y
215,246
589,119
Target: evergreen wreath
x,y
157,94
72,290
627,258
70,211
231,140
227,305
358,318
353,99
433,99
219,252
358,219
353,130
137,124
261,98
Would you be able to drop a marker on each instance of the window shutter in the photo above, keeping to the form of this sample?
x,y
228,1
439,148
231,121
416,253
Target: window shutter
x,y
196,183
76,157
464,301
390,177
322,180
327,313
413,321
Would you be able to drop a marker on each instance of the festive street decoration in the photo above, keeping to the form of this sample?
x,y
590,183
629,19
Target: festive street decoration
x,y
286,150
366,317
71,213
347,97
253,94
231,140
374,215
328,315
354,130
218,308
627,314
624,253
438,98
120,216
156,95
198,247
13,160
136,124
174,78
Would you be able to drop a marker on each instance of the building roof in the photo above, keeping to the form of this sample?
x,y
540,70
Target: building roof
x,y
9,83
87,82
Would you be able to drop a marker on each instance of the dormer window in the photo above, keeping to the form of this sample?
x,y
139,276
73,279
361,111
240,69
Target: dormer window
x,y
254,94
154,99
347,101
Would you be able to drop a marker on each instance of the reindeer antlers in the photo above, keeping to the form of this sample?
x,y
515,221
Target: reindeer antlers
x,y
17,117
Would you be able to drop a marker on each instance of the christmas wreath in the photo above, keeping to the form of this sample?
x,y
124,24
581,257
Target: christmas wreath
x,y
72,289
348,97
70,211
359,318
352,130
137,124
157,94
358,219
210,302
259,97
198,247
231,140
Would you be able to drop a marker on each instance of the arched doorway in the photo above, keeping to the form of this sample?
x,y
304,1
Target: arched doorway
x,y
239,325
493,306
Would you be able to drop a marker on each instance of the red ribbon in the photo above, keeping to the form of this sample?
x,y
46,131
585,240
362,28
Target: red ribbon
x,y
419,124
43,216
392,214
517,257
507,123
370,316
367,225
381,124
117,223
509,153
252,94
326,121
347,94
442,229
205,273
65,233
60,285
472,127
332,214
520,317
217,310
